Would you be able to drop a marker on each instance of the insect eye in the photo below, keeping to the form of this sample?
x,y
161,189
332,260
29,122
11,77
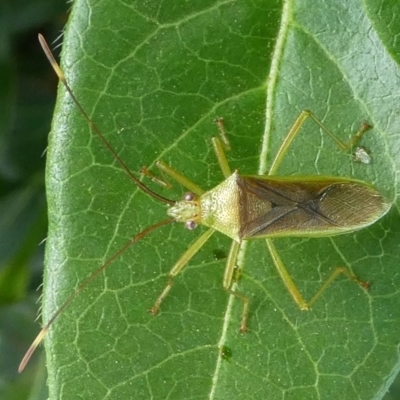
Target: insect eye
x,y
190,225
189,196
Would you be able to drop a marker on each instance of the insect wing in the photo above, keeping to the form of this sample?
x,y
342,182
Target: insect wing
x,y
306,206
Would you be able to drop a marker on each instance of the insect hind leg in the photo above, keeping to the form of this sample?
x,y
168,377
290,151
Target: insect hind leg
x,y
292,288
295,129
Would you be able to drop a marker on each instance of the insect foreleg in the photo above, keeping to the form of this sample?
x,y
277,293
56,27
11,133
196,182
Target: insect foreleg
x,y
180,178
295,128
180,264
160,181
291,287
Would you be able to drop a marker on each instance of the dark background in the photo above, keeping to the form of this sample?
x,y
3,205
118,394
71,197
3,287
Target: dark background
x,y
27,95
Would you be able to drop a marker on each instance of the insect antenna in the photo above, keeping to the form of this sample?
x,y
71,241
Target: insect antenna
x,y
86,282
96,130
136,181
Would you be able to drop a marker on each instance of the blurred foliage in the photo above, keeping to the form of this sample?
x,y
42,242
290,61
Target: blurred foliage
x,y
27,88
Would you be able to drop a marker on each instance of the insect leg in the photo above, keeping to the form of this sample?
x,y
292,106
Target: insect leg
x,y
180,178
162,182
221,157
291,287
227,283
180,264
219,145
222,132
343,146
295,128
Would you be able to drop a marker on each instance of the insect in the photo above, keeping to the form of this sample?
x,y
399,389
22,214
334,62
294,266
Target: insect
x,y
248,208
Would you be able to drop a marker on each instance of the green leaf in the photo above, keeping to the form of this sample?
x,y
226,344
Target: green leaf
x,y
153,76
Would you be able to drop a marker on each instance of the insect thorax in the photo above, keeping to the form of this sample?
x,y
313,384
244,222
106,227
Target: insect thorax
x,y
220,207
